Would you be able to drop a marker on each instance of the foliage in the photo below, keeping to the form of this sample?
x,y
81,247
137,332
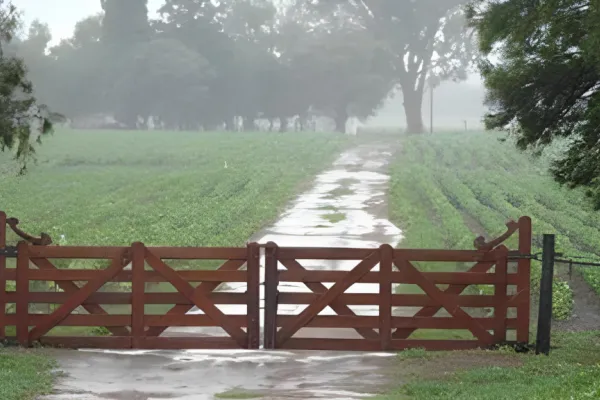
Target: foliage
x,y
448,188
570,372
545,85
424,41
22,120
24,374
163,188
562,300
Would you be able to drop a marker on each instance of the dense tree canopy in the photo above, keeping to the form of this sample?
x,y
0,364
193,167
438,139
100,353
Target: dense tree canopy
x,y
545,84
236,64
22,120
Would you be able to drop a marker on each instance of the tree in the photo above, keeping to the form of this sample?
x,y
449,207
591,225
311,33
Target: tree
x,y
22,120
421,36
545,85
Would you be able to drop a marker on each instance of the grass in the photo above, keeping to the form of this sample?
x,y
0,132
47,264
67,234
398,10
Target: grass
x,y
335,217
238,394
24,374
572,371
446,189
162,188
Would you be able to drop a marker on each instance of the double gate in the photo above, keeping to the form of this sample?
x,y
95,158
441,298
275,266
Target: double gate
x,y
146,297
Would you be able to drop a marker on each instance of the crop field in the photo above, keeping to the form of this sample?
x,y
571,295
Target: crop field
x,y
162,188
449,188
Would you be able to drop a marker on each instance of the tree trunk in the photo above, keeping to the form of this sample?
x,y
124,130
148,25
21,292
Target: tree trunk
x,y
341,118
271,123
248,124
413,102
283,124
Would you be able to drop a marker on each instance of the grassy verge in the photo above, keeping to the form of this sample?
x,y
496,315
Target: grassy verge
x,y
571,372
24,374
448,188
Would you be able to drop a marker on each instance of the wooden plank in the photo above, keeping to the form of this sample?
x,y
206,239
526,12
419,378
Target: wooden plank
x,y
322,253
385,295
448,278
87,342
22,288
69,289
138,287
126,276
336,305
205,287
76,320
252,288
199,253
3,297
111,298
448,302
501,309
430,311
200,320
271,296
80,252
199,299
364,321
399,300
373,345
524,280
78,297
180,343
442,255
324,300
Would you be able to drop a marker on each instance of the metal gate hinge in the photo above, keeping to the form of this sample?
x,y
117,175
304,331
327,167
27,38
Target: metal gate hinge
x,y
9,251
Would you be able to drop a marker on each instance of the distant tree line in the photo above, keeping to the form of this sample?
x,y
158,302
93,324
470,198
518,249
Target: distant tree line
x,y
236,63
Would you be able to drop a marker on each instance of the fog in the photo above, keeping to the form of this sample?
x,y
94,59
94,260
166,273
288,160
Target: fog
x,y
247,65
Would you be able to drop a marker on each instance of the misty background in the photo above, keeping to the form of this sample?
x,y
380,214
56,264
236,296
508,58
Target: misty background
x,y
64,33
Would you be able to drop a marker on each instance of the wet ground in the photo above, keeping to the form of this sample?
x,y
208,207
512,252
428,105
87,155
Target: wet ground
x,y
346,207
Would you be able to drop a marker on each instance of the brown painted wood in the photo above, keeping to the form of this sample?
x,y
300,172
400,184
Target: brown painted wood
x,y
127,276
200,320
69,289
430,311
323,253
253,295
271,296
138,287
77,298
324,300
179,343
385,295
88,342
199,253
447,302
448,278
198,298
22,286
206,288
76,320
82,252
336,305
3,297
443,255
399,300
524,280
373,345
501,308
111,298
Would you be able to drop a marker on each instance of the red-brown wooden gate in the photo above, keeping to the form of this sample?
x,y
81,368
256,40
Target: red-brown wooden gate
x,y
80,299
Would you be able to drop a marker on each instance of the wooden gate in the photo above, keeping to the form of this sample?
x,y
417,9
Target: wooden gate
x,y
442,293
117,298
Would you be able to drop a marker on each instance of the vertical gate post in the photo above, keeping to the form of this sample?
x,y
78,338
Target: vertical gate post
x,y
542,344
253,293
138,288
385,295
22,309
2,276
524,281
271,284
500,292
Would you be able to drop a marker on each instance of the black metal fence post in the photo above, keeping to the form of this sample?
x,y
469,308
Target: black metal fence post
x,y
542,345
